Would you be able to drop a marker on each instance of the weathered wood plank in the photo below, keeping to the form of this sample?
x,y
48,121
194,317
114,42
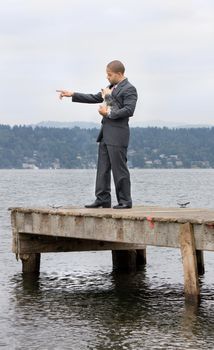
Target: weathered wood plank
x,y
147,232
29,244
180,215
188,252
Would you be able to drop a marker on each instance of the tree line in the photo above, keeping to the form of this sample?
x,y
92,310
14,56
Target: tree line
x,y
41,147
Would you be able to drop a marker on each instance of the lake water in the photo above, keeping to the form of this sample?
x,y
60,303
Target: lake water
x,y
77,302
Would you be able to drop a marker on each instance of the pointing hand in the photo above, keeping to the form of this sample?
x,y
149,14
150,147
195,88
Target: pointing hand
x,y
64,93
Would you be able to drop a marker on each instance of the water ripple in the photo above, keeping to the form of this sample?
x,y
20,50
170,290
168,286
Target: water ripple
x,y
77,302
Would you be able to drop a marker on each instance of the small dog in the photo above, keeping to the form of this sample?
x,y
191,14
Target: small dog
x,y
109,100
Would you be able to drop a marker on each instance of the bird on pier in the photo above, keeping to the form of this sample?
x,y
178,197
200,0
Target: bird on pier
x,y
183,205
53,206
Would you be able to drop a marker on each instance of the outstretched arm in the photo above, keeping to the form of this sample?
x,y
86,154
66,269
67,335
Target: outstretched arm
x,y
87,98
82,98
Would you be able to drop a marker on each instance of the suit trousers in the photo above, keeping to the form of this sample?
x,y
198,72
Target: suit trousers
x,y
113,158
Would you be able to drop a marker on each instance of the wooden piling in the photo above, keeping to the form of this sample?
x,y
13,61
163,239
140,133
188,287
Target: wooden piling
x,y
30,263
124,260
200,261
128,260
188,252
140,257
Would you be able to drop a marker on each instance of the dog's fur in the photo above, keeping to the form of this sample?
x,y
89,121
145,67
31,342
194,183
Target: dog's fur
x,y
109,100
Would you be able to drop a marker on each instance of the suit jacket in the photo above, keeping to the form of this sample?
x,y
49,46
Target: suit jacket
x,y
115,127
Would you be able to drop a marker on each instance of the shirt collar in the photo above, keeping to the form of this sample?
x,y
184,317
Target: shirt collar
x,y
116,85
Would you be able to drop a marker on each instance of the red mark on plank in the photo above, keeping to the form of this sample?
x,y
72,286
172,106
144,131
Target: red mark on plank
x,y
211,226
151,223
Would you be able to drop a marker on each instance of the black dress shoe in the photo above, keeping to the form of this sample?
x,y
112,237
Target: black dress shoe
x,y
98,204
122,206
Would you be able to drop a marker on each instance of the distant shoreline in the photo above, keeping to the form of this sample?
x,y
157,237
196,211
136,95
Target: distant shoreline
x,y
133,124
25,147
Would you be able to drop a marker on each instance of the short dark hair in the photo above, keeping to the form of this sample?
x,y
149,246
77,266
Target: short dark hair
x,y
116,66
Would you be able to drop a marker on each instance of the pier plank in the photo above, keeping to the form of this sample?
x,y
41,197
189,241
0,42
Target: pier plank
x,y
142,225
29,243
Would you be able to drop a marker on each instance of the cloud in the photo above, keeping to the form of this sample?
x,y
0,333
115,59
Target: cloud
x,y
166,46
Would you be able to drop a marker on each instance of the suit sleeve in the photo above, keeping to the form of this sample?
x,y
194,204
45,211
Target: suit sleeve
x,y
129,104
87,98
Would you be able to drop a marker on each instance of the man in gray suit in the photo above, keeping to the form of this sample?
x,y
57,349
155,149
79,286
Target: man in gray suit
x,y
113,137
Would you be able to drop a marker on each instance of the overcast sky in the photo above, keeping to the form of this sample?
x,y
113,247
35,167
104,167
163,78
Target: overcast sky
x,y
167,47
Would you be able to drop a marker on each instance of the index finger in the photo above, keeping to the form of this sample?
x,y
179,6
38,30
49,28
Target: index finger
x,y
59,90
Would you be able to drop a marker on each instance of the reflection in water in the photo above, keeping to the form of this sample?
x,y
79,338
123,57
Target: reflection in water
x,y
103,311
189,318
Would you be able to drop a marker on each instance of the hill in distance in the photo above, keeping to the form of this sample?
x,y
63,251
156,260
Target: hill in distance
x,y
69,125
145,124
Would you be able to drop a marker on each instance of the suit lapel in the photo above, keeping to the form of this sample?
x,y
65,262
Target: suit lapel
x,y
119,87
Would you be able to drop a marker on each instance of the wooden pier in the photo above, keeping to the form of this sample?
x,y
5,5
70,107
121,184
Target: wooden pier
x,y
125,232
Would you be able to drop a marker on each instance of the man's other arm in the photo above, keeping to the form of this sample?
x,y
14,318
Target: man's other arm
x,y
129,104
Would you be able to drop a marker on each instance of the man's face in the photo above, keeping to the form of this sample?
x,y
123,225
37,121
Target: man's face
x,y
113,77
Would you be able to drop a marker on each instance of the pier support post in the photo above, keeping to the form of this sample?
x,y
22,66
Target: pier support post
x,y
188,252
124,260
30,263
200,261
128,260
141,257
